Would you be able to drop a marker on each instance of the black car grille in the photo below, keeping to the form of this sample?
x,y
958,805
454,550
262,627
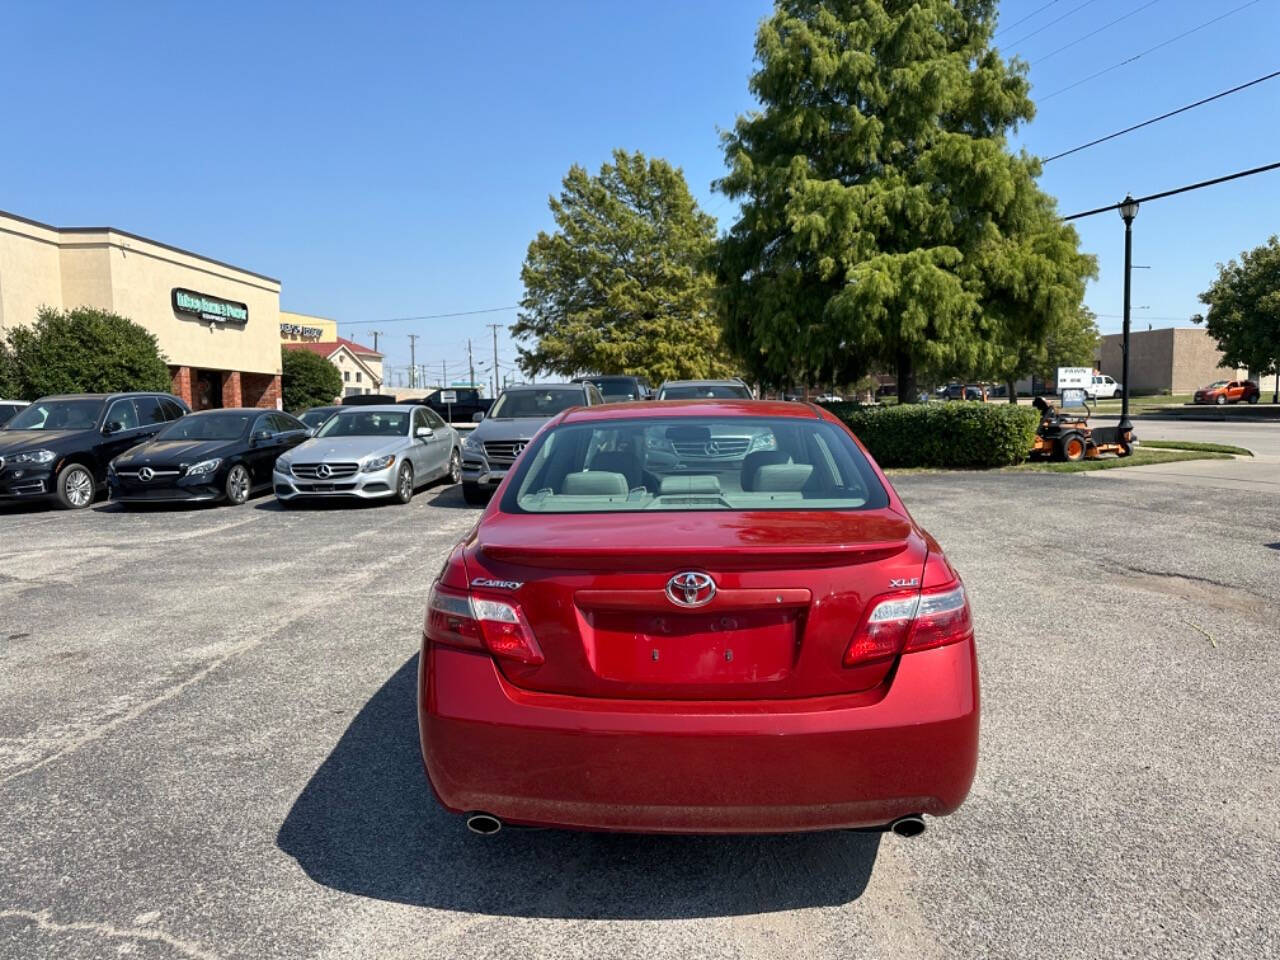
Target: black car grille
x,y
504,451
311,471
716,447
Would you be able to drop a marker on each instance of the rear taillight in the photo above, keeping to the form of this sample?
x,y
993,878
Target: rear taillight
x,y
459,619
907,622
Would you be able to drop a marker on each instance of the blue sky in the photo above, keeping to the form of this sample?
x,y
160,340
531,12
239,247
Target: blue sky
x,y
394,160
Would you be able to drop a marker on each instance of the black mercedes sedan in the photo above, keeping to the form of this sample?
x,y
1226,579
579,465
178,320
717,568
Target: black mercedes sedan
x,y
214,455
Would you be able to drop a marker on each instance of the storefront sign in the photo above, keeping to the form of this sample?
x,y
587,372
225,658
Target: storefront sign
x,y
205,307
298,330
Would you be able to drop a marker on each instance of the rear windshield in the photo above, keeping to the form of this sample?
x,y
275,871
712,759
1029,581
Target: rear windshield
x,y
542,404
617,387
711,463
706,391
207,426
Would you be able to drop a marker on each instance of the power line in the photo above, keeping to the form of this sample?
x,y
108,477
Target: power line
x,y
1094,33
1136,56
1033,13
433,316
1163,116
1176,190
1052,22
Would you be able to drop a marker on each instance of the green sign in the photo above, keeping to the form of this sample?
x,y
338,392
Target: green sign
x,y
209,308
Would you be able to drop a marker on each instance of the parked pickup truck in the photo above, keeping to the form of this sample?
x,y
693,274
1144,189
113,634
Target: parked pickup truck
x,y
467,403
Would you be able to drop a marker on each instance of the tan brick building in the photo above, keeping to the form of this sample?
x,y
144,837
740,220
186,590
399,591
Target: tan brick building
x,y
1169,360
218,325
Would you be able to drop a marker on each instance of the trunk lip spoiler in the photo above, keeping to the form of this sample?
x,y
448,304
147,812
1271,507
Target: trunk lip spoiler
x,y
736,556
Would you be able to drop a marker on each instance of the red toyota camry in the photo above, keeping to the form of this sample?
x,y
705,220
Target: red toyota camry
x,y
698,617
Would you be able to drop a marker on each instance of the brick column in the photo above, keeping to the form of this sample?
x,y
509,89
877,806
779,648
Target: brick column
x,y
231,395
181,388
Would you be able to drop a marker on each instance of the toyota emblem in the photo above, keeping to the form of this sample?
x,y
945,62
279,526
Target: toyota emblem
x,y
145,474
323,470
691,589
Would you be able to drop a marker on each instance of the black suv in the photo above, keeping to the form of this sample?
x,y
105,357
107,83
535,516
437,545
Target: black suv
x,y
60,446
619,388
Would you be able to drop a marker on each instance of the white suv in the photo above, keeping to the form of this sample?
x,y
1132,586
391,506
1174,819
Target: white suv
x,y
1103,387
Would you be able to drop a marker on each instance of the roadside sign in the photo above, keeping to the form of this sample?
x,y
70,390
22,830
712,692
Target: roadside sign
x,y
448,397
1078,378
1071,397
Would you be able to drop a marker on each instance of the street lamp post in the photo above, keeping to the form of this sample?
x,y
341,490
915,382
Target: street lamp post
x,y
1128,211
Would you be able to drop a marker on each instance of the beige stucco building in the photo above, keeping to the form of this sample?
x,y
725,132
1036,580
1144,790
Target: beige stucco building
x,y
361,367
217,325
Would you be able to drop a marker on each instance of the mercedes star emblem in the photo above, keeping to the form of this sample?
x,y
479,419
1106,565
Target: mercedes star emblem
x,y
323,470
145,474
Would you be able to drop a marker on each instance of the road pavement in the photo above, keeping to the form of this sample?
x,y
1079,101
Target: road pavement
x,y
208,750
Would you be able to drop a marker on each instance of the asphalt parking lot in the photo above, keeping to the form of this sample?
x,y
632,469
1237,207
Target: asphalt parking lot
x,y
208,749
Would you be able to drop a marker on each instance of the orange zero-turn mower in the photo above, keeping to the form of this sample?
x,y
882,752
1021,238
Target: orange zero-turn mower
x,y
1068,437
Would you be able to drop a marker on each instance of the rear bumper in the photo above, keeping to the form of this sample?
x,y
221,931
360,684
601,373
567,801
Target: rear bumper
x,y
699,767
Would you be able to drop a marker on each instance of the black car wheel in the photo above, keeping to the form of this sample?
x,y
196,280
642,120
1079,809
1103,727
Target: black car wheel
x,y
475,494
455,466
237,485
75,486
1253,398
404,483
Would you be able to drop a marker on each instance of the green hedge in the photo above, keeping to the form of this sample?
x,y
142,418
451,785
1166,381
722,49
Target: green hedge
x,y
957,434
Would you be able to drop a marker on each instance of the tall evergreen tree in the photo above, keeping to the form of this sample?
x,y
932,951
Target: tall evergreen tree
x,y
624,284
885,223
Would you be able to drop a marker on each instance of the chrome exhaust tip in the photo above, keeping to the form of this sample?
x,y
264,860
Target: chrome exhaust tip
x,y
485,824
911,825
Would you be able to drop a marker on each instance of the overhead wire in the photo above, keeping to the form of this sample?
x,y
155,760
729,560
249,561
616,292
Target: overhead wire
x,y
1177,190
1033,13
1094,33
1041,30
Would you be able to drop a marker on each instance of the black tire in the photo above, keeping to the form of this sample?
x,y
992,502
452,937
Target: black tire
x,y
1254,398
1222,400
75,486
1071,447
475,494
404,483
238,485
1126,450
455,467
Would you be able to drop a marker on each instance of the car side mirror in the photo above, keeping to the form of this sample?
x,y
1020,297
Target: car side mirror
x,y
477,416
310,431
114,426
424,432
261,435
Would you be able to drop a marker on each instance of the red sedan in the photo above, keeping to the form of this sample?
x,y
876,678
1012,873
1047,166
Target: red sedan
x,y
698,617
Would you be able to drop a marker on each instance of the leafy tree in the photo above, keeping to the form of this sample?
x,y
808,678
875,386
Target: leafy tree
x,y
84,350
1069,340
884,222
624,284
307,380
1244,311
8,384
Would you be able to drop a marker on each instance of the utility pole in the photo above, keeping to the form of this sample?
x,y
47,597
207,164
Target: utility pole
x,y
471,364
444,377
376,334
413,362
494,327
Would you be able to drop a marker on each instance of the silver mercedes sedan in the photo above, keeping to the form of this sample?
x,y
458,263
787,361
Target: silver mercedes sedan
x,y
371,452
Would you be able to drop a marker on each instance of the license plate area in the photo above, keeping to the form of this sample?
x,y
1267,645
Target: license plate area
x,y
676,649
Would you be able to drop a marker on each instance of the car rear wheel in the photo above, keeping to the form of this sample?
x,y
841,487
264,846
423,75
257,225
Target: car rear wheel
x,y
237,485
75,487
1222,400
1254,398
475,494
404,483
1071,448
455,466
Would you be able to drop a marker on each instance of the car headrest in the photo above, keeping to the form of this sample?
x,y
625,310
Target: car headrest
x,y
783,477
616,461
695,484
595,483
752,463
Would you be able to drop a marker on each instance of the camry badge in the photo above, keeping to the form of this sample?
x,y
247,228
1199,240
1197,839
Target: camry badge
x,y
691,589
145,474
497,584
323,470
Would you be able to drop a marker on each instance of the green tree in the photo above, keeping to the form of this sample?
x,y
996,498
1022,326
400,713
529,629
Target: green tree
x,y
8,383
1244,311
884,223
307,380
624,285
1069,340
84,350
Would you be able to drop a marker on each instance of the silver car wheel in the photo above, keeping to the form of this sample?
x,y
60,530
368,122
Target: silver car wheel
x,y
79,487
238,484
455,467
